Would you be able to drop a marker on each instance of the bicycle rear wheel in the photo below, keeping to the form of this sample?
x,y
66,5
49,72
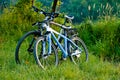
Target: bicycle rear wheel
x,y
78,56
24,48
42,57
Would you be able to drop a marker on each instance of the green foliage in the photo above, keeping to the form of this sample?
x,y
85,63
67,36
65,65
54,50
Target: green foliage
x,y
19,19
94,69
92,9
102,37
81,9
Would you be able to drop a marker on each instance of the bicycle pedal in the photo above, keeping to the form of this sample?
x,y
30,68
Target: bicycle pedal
x,y
78,55
30,50
64,59
45,56
77,51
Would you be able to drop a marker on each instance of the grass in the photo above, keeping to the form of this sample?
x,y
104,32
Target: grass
x,y
94,69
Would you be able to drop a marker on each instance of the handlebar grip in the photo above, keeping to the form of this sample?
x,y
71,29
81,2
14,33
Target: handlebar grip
x,y
52,15
35,9
38,10
33,24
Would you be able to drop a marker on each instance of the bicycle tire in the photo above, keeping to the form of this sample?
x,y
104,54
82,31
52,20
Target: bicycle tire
x,y
44,60
83,56
22,47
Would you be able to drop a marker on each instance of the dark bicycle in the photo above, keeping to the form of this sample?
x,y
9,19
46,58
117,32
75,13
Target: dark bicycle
x,y
24,48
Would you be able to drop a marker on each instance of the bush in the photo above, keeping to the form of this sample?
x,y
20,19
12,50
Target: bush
x,y
18,19
102,37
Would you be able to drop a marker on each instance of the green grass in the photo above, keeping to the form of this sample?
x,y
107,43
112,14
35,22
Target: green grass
x,y
101,37
94,69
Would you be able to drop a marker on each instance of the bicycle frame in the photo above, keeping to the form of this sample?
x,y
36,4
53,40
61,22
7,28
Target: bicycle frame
x,y
51,33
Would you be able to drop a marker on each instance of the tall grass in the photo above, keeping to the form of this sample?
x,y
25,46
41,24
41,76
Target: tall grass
x,y
102,37
94,69
104,10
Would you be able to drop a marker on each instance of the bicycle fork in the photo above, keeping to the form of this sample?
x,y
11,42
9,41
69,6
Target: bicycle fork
x,y
46,43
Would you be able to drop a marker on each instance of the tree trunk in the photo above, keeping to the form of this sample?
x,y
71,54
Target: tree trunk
x,y
54,5
32,2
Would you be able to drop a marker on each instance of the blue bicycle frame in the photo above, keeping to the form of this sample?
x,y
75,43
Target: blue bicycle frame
x,y
51,33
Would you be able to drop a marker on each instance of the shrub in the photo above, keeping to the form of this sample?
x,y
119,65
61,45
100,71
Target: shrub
x,y
102,37
18,19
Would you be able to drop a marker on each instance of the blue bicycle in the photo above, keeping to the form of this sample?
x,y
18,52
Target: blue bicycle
x,y
71,46
24,47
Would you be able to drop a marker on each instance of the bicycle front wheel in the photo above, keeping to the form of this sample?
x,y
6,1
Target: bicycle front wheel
x,y
42,57
24,48
78,55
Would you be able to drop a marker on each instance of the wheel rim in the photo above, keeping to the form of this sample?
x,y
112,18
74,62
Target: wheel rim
x,y
23,56
82,56
44,59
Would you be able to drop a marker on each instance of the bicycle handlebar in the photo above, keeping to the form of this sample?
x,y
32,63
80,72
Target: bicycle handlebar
x,y
52,14
36,23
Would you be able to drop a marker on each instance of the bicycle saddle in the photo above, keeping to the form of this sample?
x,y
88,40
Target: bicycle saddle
x,y
69,17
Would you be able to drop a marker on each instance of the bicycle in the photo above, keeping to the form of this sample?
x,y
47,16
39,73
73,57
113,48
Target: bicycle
x,y
25,44
73,46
